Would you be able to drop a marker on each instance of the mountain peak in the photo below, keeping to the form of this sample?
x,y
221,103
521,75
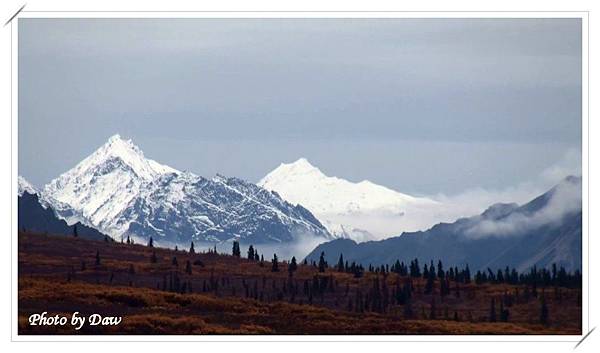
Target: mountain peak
x,y
572,179
302,165
129,154
103,183
336,201
25,186
499,210
115,137
303,162
287,172
118,146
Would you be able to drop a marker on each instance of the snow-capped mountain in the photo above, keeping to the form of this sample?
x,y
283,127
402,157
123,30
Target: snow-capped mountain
x,y
25,186
122,193
177,208
360,211
60,209
102,185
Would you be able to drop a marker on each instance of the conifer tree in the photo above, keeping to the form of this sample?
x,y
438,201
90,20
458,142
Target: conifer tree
x,y
188,267
151,242
467,275
274,264
322,262
293,266
429,283
340,266
97,257
128,240
236,249
192,250
251,253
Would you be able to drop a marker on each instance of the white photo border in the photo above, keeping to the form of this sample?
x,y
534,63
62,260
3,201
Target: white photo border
x,y
27,13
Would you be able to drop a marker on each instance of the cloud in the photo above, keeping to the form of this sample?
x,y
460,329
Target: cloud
x,y
570,164
565,199
473,202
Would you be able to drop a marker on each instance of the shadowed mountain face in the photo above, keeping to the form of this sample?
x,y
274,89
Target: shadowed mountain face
x,y
546,230
33,217
179,208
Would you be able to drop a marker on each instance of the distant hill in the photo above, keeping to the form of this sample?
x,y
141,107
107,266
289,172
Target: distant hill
x,y
33,217
546,230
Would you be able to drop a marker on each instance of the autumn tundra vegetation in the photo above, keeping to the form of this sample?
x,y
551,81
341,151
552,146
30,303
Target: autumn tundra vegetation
x,y
200,291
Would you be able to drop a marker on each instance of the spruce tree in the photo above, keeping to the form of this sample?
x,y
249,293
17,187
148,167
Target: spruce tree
x,y
236,249
251,253
293,266
151,242
75,233
322,262
192,250
340,266
274,264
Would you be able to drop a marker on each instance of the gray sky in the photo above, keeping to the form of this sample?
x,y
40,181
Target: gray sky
x,y
422,106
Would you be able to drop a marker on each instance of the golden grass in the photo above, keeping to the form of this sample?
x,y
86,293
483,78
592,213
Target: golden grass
x,y
51,279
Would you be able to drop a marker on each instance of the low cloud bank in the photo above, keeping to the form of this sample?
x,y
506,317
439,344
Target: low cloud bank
x,y
566,199
473,202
